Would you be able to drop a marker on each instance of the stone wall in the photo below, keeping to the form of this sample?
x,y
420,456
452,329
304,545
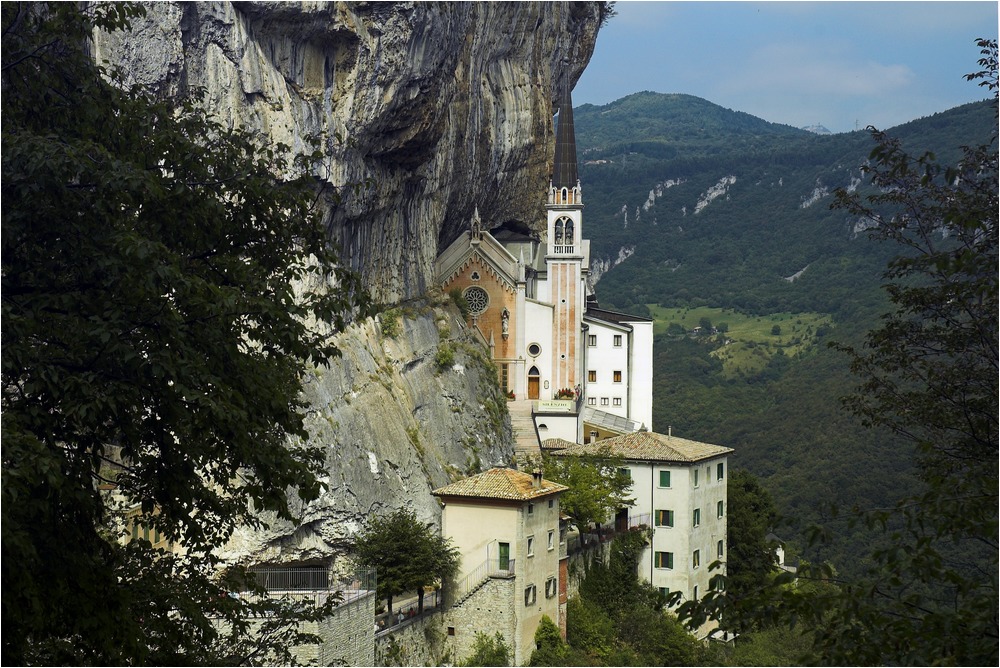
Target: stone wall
x,y
448,637
349,634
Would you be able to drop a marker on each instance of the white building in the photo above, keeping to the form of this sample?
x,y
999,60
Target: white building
x,y
679,488
619,361
528,299
505,524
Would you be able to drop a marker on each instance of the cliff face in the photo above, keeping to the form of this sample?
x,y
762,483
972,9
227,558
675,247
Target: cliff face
x,y
442,106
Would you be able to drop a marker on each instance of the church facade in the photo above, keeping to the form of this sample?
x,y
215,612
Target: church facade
x,y
588,371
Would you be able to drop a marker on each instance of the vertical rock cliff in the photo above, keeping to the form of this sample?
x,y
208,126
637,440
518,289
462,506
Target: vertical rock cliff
x,y
442,108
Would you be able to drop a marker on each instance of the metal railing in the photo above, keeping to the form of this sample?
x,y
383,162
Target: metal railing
x,y
491,568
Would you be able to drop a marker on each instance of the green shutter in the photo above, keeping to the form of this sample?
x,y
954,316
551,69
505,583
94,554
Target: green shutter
x,y
664,478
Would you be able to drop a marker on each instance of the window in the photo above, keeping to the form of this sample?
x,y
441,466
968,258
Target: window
x,y
664,592
720,550
617,376
719,470
591,401
696,592
696,477
696,517
618,340
530,595
696,559
478,299
534,350
664,518
451,630
505,378
626,471
719,508
551,587
531,509
664,559
552,543
552,503
604,401
592,340
591,376
531,546
617,401
664,478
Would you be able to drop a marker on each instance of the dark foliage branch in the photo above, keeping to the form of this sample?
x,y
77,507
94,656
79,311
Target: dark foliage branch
x,y
166,289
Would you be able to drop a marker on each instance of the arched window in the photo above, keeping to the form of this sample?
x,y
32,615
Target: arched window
x,y
569,237
565,195
559,232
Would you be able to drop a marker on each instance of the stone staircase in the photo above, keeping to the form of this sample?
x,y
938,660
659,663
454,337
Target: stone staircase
x,y
525,438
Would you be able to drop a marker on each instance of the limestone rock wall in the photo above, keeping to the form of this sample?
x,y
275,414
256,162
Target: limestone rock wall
x,y
441,107
398,418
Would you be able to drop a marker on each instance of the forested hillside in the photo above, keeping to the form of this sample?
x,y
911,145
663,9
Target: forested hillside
x,y
716,209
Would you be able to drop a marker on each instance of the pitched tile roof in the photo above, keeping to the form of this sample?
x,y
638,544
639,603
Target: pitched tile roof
x,y
557,444
649,446
500,483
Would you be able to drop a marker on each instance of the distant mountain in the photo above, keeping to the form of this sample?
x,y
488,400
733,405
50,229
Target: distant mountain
x,y
817,129
697,208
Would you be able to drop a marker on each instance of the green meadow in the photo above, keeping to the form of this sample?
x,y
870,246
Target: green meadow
x,y
745,344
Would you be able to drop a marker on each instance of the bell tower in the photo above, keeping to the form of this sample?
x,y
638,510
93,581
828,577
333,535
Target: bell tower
x,y
565,256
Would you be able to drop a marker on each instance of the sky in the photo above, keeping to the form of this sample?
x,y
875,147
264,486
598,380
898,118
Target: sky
x,y
843,65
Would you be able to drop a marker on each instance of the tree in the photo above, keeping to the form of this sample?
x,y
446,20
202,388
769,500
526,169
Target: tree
x,y
408,554
750,557
929,374
598,485
165,289
550,648
489,651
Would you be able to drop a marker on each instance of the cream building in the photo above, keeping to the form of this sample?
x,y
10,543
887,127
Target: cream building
x,y
505,524
679,489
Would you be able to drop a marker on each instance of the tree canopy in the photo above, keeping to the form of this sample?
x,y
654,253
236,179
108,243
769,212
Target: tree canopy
x,y
408,554
598,486
166,285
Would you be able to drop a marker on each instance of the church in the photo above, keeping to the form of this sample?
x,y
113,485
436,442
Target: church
x,y
585,373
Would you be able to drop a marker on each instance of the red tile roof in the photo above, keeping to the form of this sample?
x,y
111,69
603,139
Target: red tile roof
x,y
501,483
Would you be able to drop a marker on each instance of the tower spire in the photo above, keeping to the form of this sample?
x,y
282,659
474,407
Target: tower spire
x,y
564,171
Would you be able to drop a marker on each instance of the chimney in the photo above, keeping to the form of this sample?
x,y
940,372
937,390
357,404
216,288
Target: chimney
x,y
536,479
670,431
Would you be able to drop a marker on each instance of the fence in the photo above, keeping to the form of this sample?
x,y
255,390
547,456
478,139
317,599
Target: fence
x,y
309,584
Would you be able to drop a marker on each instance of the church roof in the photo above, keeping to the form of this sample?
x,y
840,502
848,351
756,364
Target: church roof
x,y
501,483
564,170
651,447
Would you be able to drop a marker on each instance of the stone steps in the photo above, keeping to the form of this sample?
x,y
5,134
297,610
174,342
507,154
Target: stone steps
x,y
523,425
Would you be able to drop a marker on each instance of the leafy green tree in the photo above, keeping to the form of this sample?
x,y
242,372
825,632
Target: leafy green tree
x,y
408,554
929,374
598,485
489,651
165,289
550,648
750,558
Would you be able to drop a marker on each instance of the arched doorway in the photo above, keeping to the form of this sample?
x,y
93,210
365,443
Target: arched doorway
x,y
533,382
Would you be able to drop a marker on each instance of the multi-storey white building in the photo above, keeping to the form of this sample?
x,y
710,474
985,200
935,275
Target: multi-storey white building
x,y
679,489
619,362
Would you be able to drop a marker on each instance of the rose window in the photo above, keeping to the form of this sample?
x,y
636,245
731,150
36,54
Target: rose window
x,y
478,300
